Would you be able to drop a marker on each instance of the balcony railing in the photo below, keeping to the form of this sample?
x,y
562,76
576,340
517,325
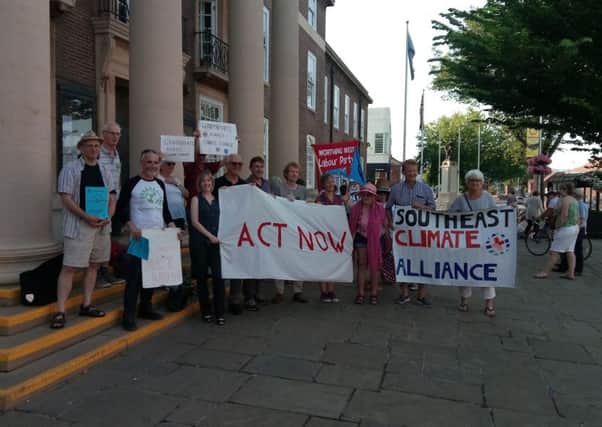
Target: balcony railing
x,y
119,9
213,51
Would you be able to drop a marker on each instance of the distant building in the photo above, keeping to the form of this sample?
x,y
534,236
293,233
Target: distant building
x,y
379,144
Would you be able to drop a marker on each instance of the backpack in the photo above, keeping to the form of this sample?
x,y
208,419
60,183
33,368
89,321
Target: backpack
x,y
38,286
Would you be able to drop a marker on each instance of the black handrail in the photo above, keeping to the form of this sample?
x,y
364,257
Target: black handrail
x,y
213,51
116,8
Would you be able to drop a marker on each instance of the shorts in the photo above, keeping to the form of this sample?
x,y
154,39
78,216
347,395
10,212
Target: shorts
x,y
564,239
93,245
360,241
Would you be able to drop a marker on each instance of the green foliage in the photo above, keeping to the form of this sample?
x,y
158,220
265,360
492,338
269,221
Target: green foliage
x,y
527,59
502,154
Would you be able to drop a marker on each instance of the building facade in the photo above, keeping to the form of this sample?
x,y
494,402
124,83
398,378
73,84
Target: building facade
x,y
157,67
379,144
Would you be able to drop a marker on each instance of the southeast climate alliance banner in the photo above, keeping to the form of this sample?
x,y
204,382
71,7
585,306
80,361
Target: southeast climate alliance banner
x,y
455,249
267,237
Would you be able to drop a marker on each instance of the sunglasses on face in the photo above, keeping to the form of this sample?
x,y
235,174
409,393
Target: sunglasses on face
x,y
237,164
170,163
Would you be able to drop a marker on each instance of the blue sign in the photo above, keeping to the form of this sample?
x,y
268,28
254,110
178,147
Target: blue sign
x,y
97,202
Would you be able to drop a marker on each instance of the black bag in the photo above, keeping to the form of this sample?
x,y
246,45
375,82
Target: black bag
x,y
38,286
177,299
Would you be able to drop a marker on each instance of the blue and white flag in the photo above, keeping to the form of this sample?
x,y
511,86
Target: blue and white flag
x,y
411,52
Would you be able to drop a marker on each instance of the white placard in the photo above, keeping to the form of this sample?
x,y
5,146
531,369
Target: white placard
x,y
267,237
218,138
164,265
177,148
455,249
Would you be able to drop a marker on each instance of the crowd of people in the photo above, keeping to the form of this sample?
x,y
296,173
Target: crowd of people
x,y
156,198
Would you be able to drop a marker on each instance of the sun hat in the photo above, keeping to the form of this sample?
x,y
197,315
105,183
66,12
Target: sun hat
x,y
89,136
368,188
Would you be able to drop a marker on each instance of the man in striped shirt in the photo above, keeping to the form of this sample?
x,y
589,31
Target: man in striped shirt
x,y
418,195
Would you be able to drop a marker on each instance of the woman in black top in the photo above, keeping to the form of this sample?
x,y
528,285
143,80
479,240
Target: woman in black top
x,y
204,222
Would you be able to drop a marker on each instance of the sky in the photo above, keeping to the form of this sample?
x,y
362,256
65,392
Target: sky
x,y
370,37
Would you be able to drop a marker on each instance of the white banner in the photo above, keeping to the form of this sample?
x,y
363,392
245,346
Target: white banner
x,y
177,148
218,138
164,265
267,237
455,249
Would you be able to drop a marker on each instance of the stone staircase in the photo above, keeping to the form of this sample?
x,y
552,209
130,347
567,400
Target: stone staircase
x,y
34,357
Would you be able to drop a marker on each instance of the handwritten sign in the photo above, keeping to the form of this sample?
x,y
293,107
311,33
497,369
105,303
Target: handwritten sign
x,y
177,148
455,249
97,202
282,239
164,264
218,138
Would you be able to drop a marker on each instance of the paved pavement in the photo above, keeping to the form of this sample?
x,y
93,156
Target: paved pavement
x,y
539,363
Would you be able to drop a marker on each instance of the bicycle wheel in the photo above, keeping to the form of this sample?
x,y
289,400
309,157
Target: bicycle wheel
x,y
539,244
587,248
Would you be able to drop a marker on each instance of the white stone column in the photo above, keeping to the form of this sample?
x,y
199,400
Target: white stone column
x,y
156,99
284,82
26,151
246,74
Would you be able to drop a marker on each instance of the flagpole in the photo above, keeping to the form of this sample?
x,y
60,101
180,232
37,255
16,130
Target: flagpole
x,y
405,94
422,133
439,163
459,146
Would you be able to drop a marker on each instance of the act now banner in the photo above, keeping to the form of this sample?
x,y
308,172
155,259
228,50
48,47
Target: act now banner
x,y
267,237
455,249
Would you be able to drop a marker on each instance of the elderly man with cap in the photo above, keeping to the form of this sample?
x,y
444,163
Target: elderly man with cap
x,y
88,194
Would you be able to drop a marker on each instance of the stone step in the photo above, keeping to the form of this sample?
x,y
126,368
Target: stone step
x,y
19,318
18,350
38,375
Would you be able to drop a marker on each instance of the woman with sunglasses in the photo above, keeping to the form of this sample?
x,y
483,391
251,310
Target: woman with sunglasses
x,y
176,193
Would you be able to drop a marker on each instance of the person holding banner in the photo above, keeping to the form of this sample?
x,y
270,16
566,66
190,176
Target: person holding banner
x,y
367,224
418,195
204,221
257,167
142,205
475,199
292,191
88,194
328,197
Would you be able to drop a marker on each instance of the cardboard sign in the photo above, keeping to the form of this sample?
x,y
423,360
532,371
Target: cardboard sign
x,y
177,148
164,264
218,138
338,155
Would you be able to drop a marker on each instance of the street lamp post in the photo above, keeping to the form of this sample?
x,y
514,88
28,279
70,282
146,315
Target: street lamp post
x,y
479,147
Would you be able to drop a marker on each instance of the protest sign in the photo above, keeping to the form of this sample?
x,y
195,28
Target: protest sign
x,y
97,202
177,148
164,264
455,249
337,155
218,138
266,237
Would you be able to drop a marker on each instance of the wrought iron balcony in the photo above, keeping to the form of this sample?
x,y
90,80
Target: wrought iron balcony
x,y
213,52
118,9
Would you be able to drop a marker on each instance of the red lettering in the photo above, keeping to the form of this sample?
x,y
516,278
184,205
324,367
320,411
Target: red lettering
x,y
471,237
433,236
337,246
279,226
398,238
259,236
323,237
411,242
245,236
309,240
456,234
447,238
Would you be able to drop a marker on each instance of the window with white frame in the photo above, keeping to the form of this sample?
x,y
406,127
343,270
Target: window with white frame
x,y
363,125
266,147
336,100
311,81
211,110
266,45
312,13
355,123
325,99
347,102
310,165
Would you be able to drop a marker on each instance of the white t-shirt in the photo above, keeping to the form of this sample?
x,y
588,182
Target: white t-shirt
x,y
554,202
146,205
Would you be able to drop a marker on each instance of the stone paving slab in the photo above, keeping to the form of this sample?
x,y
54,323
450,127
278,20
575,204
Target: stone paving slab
x,y
296,396
213,359
504,418
283,367
563,351
359,355
322,422
355,377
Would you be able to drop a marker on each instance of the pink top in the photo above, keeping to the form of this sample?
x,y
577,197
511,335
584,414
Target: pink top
x,y
376,224
363,224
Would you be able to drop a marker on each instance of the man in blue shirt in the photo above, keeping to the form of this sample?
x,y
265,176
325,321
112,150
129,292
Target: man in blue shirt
x,y
418,195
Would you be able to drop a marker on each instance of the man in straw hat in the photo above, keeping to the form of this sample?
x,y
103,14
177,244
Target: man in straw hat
x,y
88,194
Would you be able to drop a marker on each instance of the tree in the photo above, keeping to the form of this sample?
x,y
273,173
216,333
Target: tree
x,y
502,154
527,59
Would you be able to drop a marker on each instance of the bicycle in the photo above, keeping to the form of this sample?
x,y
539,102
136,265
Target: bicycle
x,y
541,241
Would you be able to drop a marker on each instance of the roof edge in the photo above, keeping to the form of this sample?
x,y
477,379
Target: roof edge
x,y
341,64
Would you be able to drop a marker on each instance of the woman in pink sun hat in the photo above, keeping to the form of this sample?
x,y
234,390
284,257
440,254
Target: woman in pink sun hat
x,y
367,224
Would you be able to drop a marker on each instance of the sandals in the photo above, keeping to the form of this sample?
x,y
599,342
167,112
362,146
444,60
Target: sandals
x,y
220,321
489,312
90,311
359,299
373,299
208,318
58,321
540,276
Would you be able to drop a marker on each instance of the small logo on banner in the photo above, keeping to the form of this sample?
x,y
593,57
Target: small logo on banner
x,y
497,244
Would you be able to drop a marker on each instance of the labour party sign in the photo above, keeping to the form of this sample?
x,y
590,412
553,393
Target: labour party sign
x,y
455,249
